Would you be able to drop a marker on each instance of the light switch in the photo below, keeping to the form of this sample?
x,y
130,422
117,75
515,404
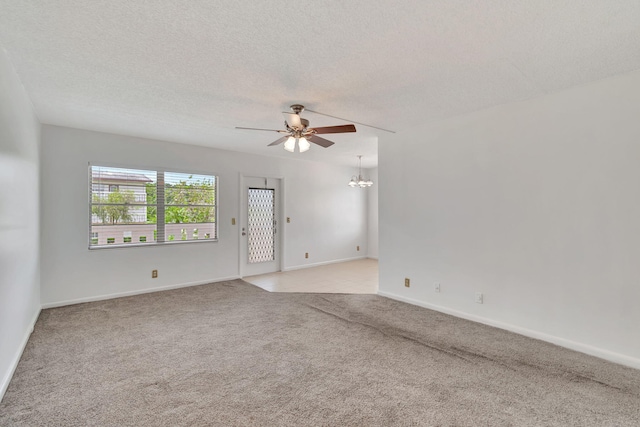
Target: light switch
x,y
233,221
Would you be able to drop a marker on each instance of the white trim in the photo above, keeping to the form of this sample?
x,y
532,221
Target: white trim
x,y
372,257
239,222
136,292
562,342
16,359
317,264
282,227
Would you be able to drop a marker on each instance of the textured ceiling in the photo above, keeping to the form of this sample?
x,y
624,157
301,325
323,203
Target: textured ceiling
x,y
192,71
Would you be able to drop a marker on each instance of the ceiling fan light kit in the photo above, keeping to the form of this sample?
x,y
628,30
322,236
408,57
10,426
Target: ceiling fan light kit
x,y
303,144
359,181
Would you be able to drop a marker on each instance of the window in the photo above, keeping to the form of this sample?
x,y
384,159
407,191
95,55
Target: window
x,y
141,207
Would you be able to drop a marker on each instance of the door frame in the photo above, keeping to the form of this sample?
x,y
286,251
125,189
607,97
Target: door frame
x,y
280,216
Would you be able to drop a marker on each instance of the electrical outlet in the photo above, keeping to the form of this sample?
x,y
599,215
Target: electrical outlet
x,y
407,282
306,254
479,298
436,286
288,220
154,274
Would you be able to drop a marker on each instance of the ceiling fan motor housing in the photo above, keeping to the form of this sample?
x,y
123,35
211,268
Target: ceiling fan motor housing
x,y
297,108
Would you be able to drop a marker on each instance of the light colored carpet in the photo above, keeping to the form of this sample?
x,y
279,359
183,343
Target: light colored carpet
x,y
231,354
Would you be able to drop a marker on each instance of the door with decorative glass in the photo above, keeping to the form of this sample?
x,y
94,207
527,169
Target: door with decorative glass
x,y
259,228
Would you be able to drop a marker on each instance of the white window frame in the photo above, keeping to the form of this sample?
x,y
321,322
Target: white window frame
x,y
161,235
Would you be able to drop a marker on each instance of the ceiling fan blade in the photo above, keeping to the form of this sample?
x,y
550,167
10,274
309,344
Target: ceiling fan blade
x,y
293,120
268,130
335,129
278,141
320,141
347,120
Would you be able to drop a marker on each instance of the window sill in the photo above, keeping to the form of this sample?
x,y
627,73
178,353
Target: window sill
x,y
140,245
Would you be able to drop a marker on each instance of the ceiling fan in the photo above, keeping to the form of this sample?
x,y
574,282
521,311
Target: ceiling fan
x,y
297,130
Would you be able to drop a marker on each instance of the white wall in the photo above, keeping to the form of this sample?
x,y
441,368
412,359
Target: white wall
x,y
19,219
328,218
372,213
535,204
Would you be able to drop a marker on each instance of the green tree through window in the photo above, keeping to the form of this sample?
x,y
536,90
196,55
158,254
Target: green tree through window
x,y
114,208
190,200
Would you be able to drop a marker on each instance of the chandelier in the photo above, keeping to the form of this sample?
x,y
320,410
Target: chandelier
x,y
359,181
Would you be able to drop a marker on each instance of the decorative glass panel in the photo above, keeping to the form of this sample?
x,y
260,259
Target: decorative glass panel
x,y
261,228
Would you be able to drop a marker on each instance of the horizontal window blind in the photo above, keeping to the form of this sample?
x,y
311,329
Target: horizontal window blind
x,y
189,206
137,206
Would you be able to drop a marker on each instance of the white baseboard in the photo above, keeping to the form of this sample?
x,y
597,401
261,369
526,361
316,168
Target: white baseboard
x,y
136,292
318,264
16,359
562,342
